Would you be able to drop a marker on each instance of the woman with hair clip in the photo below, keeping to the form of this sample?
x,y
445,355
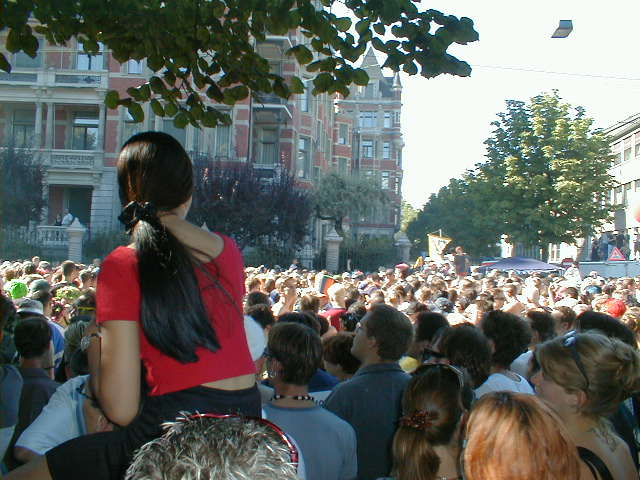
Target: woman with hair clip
x,y
515,436
585,377
427,443
170,302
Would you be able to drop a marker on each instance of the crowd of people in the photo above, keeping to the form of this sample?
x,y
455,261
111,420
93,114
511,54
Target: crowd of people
x,y
169,359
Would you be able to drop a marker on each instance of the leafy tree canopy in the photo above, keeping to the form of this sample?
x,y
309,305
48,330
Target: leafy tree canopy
x,y
408,214
338,196
255,209
206,48
21,199
545,180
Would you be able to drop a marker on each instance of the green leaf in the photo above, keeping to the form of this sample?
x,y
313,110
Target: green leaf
x,y
379,28
239,93
363,26
323,81
296,85
157,108
4,64
170,109
302,53
136,112
181,120
343,24
360,77
111,99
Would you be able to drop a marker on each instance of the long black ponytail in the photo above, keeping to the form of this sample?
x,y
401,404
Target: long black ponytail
x,y
154,175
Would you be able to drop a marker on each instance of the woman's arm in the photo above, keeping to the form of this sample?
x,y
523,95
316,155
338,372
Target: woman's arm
x,y
114,364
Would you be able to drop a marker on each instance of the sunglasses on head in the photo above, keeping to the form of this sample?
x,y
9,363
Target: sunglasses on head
x,y
570,341
293,451
422,369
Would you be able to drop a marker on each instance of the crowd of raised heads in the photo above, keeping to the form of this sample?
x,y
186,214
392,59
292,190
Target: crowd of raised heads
x,y
170,360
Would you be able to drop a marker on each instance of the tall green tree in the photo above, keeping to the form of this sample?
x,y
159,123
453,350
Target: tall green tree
x,y
549,169
338,196
408,214
207,48
21,199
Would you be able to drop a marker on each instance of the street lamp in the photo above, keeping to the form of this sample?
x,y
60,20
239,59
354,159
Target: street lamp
x,y
563,30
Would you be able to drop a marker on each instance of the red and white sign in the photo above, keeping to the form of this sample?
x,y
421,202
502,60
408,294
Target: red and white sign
x,y
616,256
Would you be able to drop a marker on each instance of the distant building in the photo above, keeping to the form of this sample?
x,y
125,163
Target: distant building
x,y
54,105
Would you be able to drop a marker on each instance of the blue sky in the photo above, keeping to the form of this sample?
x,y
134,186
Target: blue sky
x,y
446,120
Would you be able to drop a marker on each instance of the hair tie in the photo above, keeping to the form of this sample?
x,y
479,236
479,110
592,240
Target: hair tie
x,y
420,420
133,212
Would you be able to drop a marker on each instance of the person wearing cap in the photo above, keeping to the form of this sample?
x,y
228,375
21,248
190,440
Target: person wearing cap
x,y
616,308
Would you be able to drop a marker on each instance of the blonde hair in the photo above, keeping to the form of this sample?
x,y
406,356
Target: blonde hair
x,y
611,366
517,437
631,319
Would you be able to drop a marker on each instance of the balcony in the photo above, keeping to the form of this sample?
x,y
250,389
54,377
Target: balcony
x,y
271,109
72,159
56,78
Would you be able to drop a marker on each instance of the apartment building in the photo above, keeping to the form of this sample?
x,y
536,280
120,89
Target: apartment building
x,y
54,106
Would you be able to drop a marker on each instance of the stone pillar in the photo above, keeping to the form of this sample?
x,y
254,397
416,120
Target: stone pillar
x,y
404,246
48,143
333,241
75,233
102,124
37,141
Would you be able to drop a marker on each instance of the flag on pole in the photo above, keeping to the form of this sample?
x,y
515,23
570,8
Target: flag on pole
x,y
437,245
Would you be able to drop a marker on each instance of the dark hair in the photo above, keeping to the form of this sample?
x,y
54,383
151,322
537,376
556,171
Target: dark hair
x,y
323,323
542,323
309,303
391,329
304,318
74,357
572,292
42,296
29,268
153,167
466,346
7,312
606,325
68,267
434,392
427,324
32,336
256,298
262,314
510,334
87,275
298,349
337,350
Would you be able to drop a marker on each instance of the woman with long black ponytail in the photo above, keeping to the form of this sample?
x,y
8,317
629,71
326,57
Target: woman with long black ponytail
x,y
170,302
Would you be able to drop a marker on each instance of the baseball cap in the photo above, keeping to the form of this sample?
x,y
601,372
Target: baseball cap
x,y
39,286
27,305
17,289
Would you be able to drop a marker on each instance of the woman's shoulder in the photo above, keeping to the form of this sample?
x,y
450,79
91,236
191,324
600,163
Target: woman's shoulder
x,y
119,256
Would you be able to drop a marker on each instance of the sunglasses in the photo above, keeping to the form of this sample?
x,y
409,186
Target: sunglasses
x,y
570,342
293,451
422,369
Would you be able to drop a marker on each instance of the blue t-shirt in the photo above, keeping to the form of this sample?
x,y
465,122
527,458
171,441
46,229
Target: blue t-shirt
x,y
57,337
327,441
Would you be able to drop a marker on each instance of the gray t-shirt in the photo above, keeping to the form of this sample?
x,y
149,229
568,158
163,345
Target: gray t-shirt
x,y
327,442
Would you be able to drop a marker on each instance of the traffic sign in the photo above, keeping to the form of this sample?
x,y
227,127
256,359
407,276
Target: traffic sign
x,y
616,255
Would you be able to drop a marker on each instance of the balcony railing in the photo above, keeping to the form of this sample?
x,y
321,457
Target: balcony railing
x,y
49,236
72,159
56,78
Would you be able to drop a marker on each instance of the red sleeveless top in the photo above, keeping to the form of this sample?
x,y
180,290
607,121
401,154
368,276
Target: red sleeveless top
x,y
118,298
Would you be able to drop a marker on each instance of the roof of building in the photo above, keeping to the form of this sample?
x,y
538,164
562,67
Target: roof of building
x,y
623,127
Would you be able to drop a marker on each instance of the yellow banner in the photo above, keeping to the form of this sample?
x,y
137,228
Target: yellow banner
x,y
437,245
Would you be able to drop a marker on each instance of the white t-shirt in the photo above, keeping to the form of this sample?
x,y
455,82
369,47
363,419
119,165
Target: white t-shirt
x,y
521,364
499,382
60,420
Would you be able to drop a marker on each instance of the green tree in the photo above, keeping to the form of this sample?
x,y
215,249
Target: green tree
x,y
21,199
549,172
408,214
207,48
338,196
459,211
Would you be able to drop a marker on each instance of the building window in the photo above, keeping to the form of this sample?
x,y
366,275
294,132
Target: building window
x,y
638,149
386,150
223,139
397,118
369,91
399,158
397,186
384,183
343,134
368,119
85,131
627,154
22,60
179,134
134,66
342,165
367,148
305,97
129,127
388,120
23,128
90,62
303,166
625,195
268,153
